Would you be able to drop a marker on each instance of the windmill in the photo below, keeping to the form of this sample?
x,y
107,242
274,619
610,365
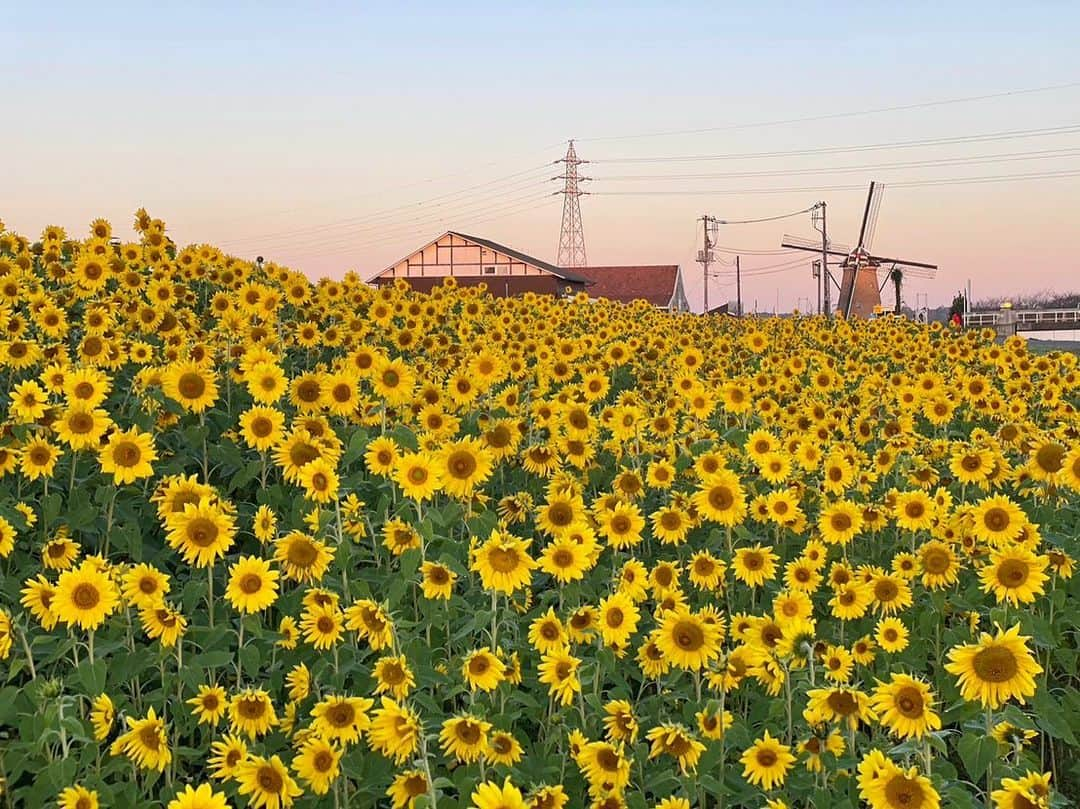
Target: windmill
x,y
860,290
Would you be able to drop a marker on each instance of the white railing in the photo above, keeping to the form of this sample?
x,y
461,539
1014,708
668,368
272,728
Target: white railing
x,y
1044,318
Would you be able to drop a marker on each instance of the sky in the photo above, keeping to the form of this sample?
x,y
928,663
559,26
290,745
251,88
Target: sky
x,y
336,137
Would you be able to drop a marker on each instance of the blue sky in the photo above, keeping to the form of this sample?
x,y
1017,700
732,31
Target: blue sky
x,y
232,122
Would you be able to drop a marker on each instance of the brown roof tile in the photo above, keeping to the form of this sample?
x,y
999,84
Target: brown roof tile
x,y
654,283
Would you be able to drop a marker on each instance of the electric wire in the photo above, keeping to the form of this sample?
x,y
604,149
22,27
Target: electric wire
x,y
844,114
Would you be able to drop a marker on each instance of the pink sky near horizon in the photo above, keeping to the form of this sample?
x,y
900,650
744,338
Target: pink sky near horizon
x,y
228,139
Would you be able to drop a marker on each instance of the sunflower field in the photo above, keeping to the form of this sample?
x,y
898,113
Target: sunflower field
x,y
271,543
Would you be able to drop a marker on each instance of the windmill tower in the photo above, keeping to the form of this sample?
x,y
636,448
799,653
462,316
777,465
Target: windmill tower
x,y
860,291
572,234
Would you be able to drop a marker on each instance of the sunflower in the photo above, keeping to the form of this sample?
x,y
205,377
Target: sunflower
x,y
393,675
503,563
102,716
463,466
437,580
565,560
840,522
251,712
191,384
546,633
302,557
267,781
127,456
318,764
38,458
145,586
706,571
891,635
905,706
1033,790
558,670
898,789
395,731
163,622
687,641
482,670
939,564
465,738
503,749
676,741
146,742
252,585
228,755
766,762
323,626
489,795
85,596
266,382
996,669
202,532
28,402
754,566
997,520
78,797
622,525
722,499
417,475
202,797
618,619
605,767
59,553
914,511
1015,575
620,724
406,787
841,704
209,705
262,427
371,622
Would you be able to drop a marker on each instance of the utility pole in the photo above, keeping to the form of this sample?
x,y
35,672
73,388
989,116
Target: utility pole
x,y
738,287
826,278
704,257
816,272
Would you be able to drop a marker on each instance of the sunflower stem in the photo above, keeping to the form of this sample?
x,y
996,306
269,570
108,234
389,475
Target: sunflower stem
x,y
210,593
29,655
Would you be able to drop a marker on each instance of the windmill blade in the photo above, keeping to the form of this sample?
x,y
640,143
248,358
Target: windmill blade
x,y
873,201
871,228
910,267
799,243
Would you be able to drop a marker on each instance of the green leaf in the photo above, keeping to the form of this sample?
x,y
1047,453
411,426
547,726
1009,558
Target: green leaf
x,y
977,752
92,676
1052,717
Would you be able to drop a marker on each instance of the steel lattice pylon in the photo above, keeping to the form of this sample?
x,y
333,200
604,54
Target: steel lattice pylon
x,y
572,234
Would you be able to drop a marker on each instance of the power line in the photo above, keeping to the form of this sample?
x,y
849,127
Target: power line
x,y
1007,157
820,188
346,249
397,208
403,219
762,219
846,114
867,147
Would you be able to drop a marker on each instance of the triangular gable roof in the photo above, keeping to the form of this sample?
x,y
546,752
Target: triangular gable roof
x,y
558,272
654,283
566,275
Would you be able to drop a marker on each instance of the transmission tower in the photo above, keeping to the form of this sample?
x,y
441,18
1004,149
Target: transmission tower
x,y
572,235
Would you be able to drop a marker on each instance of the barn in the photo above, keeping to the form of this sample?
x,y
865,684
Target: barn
x,y
473,260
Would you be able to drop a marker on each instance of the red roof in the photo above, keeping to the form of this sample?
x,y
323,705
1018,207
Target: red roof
x,y
654,283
